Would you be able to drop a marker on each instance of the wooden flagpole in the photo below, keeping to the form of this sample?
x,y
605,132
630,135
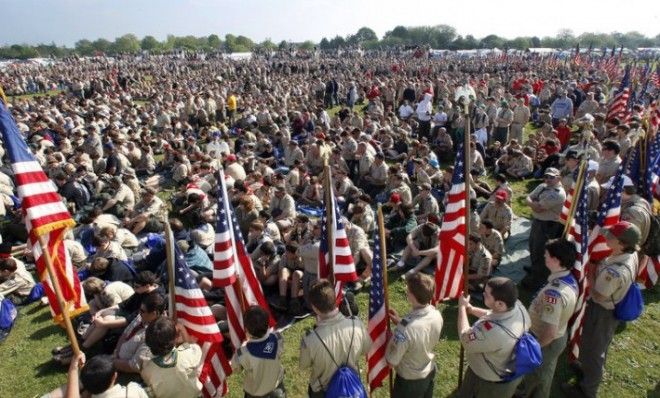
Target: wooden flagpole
x,y
64,306
578,187
466,259
386,294
329,221
169,250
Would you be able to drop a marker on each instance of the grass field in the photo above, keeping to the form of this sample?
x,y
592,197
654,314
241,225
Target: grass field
x,y
633,367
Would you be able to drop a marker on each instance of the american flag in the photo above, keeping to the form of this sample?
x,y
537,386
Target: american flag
x,y
566,208
343,264
648,273
232,268
609,215
379,325
654,116
619,105
194,314
449,267
579,234
655,77
45,217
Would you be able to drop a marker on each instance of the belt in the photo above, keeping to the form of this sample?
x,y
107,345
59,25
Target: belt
x,y
276,393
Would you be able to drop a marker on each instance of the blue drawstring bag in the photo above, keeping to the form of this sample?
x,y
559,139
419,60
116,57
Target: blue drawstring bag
x,y
631,306
526,356
345,382
8,314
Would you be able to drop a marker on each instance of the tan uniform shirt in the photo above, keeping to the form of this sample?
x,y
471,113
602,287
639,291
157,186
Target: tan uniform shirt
x,y
481,262
20,282
554,304
494,244
499,215
358,240
261,361
178,378
309,254
378,173
486,342
335,331
552,200
614,277
131,390
410,350
286,204
427,205
404,192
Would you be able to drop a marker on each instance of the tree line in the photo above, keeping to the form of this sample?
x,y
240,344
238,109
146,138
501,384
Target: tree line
x,y
438,37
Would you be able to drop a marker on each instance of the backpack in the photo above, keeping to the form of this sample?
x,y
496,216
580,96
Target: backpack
x,y
631,305
345,382
526,355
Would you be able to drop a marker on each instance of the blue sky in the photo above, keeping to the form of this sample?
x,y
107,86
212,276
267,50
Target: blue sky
x,y
66,21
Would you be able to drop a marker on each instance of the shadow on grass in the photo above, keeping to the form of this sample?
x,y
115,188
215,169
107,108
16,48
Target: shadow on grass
x,y
49,368
43,317
45,332
35,308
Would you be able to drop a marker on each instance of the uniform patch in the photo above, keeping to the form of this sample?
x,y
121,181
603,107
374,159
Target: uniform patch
x,y
472,336
612,273
548,309
551,296
399,337
487,325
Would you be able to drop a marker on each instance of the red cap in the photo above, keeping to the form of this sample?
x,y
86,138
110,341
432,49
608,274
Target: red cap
x,y
501,195
395,198
231,157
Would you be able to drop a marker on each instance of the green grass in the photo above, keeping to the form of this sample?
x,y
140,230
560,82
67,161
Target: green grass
x,y
633,366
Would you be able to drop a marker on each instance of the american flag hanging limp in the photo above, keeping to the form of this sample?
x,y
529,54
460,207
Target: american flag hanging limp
x,y
579,234
618,107
379,326
193,312
46,220
449,270
342,264
232,268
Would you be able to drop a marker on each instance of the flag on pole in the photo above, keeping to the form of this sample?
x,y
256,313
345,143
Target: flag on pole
x,y
232,268
45,217
343,266
619,105
449,267
193,312
378,324
579,234
609,214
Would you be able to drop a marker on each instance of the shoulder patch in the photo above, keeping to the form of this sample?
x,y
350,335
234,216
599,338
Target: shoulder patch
x,y
487,325
614,273
399,337
551,296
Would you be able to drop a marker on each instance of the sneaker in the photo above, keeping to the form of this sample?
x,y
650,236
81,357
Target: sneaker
x,y
408,274
397,267
357,286
280,304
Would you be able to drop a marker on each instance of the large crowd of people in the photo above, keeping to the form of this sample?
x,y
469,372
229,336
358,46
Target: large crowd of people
x,y
121,131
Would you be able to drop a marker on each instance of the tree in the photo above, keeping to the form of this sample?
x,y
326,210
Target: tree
x,y
283,46
471,42
565,39
492,41
444,35
307,45
268,45
101,46
535,41
337,42
84,47
364,34
400,31
324,44
126,44
149,43
214,42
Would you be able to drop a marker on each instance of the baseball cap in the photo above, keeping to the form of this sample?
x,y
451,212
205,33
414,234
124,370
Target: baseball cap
x,y
592,166
624,232
572,155
551,171
627,182
395,198
231,157
502,195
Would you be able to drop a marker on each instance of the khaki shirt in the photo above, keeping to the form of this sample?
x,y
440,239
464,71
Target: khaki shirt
x,y
286,204
499,215
150,208
422,241
20,282
358,240
481,262
179,379
427,205
125,196
614,277
554,304
261,361
134,349
131,390
291,155
494,243
607,168
552,200
309,254
637,211
404,192
119,291
410,350
486,342
335,331
379,173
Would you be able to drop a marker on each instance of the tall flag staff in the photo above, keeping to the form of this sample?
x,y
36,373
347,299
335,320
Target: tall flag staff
x,y
379,320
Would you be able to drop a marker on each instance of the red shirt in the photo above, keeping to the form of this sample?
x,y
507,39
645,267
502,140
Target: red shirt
x,y
564,135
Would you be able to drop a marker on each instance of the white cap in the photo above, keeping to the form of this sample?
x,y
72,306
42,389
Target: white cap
x,y
627,182
592,166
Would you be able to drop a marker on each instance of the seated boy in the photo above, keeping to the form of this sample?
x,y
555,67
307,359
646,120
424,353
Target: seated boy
x,y
16,282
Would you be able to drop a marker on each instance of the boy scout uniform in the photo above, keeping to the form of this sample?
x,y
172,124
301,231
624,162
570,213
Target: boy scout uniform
x,y
553,305
336,332
309,254
499,215
488,349
614,276
545,226
480,264
410,352
494,243
263,375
